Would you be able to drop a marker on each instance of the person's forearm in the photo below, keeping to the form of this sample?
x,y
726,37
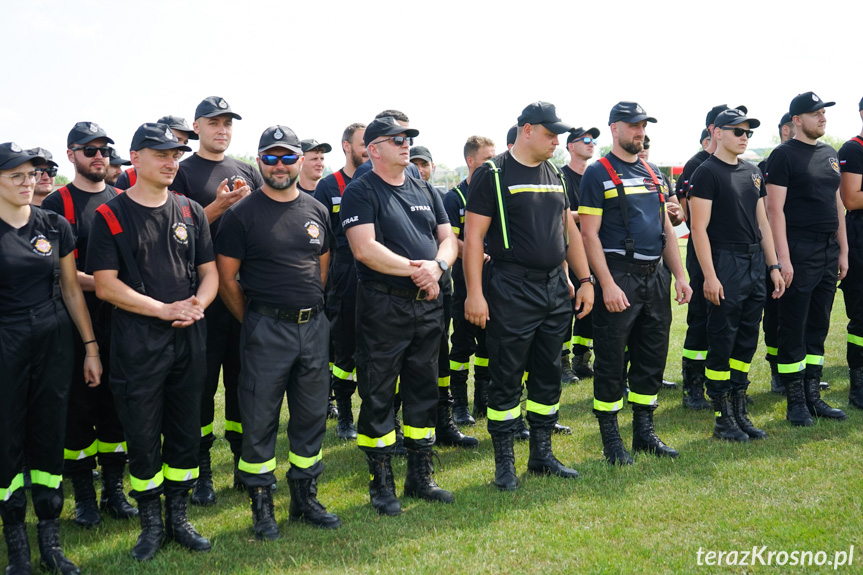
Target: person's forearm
x,y
671,253
381,259
596,258
576,256
703,251
116,292
448,250
86,282
472,261
234,298
208,284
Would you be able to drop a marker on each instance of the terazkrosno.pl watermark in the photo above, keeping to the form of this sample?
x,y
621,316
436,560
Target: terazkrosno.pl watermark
x,y
762,556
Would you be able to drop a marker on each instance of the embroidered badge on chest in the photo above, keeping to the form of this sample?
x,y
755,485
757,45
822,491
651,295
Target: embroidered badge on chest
x,y
834,163
180,234
41,245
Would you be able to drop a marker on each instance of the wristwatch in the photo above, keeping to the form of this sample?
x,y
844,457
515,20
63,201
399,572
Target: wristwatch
x,y
774,267
442,264
589,279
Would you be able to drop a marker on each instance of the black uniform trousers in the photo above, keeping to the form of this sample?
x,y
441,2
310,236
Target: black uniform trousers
x,y
804,308
852,288
397,338
443,372
92,425
280,358
341,311
223,357
732,326
467,339
530,314
695,342
35,362
770,324
157,376
644,326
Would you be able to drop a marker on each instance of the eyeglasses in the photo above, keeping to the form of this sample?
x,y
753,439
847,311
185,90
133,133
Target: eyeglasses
x,y
397,140
90,151
586,140
270,160
52,172
21,177
739,131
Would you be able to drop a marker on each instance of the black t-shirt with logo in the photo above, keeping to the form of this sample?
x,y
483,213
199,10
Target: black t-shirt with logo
x,y
573,183
27,260
689,169
327,192
534,200
851,156
811,176
85,204
159,241
735,191
406,218
279,245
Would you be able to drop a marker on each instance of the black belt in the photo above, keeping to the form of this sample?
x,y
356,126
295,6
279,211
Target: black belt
x,y
415,294
526,272
286,314
647,268
739,248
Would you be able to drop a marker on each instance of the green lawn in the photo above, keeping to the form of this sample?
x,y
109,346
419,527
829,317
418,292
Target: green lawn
x,y
798,490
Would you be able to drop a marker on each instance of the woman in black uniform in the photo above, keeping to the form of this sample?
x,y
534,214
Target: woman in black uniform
x,y
35,358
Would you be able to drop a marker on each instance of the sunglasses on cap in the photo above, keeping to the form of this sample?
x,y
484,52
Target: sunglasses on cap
x,y
52,172
739,131
586,140
271,160
397,140
90,151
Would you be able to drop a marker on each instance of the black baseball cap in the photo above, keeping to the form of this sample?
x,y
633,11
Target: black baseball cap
x,y
786,117
629,112
156,137
511,134
12,155
733,117
704,134
86,132
545,114
311,144
861,105
116,160
422,153
386,126
807,102
279,137
716,110
42,152
580,132
213,106
646,145
178,123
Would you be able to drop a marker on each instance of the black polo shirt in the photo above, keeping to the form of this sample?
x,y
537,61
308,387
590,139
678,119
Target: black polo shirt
x,y
85,204
735,191
328,193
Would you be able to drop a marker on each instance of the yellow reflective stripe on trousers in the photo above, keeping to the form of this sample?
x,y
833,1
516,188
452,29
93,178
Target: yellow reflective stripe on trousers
x,y
567,345
605,406
814,359
103,447
542,409
507,415
207,429
257,468
385,441
418,432
738,365
141,485
717,375
234,426
78,454
795,367
398,383
458,365
524,378
480,361
774,351
855,340
303,462
585,341
44,478
175,474
642,399
696,354
443,381
342,374
17,483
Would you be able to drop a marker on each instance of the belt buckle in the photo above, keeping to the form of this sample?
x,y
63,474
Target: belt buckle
x,y
421,295
305,315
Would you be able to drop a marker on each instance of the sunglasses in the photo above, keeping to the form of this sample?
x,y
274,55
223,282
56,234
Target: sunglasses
x,y
397,140
270,160
52,172
90,151
739,131
586,140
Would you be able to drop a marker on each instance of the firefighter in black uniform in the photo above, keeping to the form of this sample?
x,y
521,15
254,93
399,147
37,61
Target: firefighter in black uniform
x,y
183,132
733,242
278,240
151,256
519,199
807,218
402,242
36,255
92,426
851,188
625,226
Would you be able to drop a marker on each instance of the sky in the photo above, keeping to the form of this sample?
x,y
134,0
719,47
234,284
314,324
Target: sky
x,y
455,68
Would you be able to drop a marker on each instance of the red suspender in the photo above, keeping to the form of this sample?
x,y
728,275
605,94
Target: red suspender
x,y
111,219
340,179
615,179
133,176
858,140
68,209
655,181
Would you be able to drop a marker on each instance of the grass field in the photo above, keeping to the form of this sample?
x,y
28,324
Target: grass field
x,y
798,490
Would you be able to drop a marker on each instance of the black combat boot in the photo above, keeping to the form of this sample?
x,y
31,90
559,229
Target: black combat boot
x,y
725,426
817,406
796,412
399,446
776,385
382,486
542,459
567,375
332,409
522,433
693,385
447,432
612,446
741,415
177,526
306,507
345,429
505,478
86,509
643,434
203,494
581,365
263,514
419,482
855,387
113,499
51,554
460,412
17,544
481,380
152,529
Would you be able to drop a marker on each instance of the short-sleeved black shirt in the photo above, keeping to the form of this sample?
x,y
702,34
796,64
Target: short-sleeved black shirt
x,y
330,196
85,204
735,191
573,183
406,218
305,191
454,203
851,156
158,238
27,260
811,176
534,200
280,246
688,169
123,182
411,170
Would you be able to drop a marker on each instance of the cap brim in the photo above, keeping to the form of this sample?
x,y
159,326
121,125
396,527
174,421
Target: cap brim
x,y
557,127
221,113
167,146
121,162
190,133
422,157
594,132
325,148
634,119
17,161
295,149
90,139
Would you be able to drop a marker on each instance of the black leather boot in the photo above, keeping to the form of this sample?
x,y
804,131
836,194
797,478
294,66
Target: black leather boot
x,y
542,459
481,379
741,415
203,494
448,433
817,406
612,445
855,387
725,426
567,375
332,409
460,412
17,544
796,411
776,385
644,436
345,429
505,478
86,510
306,507
263,514
382,486
419,482
522,433
693,385
113,499
51,554
177,526
399,446
581,364
152,529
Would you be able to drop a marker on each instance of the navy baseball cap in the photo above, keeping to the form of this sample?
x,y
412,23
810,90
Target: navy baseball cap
x,y
629,112
86,132
545,114
312,144
116,160
178,123
733,117
422,153
704,134
213,106
861,105
716,110
12,156
279,137
807,102
386,126
511,134
646,142
156,137
42,152
786,117
580,132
